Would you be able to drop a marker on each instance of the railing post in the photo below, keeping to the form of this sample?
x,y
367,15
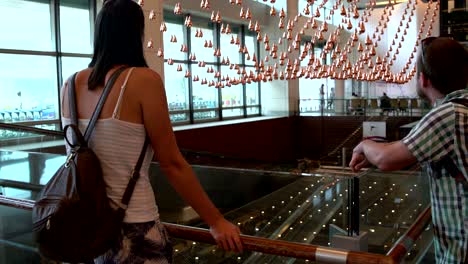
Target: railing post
x,y
343,157
355,208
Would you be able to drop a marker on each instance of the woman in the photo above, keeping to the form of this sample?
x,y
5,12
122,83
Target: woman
x,y
135,108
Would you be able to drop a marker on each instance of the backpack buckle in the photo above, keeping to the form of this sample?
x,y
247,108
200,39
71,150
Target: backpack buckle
x,y
70,157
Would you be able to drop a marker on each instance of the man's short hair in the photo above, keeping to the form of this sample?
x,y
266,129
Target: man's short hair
x,y
445,64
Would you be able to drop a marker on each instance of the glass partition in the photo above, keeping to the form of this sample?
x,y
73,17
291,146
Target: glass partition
x,y
362,106
36,138
303,208
16,243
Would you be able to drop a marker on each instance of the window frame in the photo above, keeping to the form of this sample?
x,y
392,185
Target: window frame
x,y
216,27
59,55
54,7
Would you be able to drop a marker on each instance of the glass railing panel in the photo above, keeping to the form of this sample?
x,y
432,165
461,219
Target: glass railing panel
x,y
189,252
423,249
32,139
229,189
299,212
33,169
389,204
279,206
51,125
20,193
16,244
363,106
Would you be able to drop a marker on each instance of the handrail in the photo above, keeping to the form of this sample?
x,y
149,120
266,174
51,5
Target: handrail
x,y
18,245
251,243
405,242
31,129
21,185
282,248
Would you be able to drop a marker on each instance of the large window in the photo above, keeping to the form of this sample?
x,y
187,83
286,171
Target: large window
x,y
42,42
310,94
200,84
26,25
75,26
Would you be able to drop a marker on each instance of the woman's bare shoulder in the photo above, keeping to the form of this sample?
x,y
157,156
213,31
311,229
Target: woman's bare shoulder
x,y
146,75
145,81
81,76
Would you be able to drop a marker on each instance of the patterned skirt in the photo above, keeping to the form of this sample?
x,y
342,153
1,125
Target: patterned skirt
x,y
141,243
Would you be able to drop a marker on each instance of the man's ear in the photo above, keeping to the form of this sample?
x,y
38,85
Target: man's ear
x,y
425,82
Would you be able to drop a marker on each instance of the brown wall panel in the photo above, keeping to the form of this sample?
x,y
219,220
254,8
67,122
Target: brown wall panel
x,y
317,135
280,139
270,140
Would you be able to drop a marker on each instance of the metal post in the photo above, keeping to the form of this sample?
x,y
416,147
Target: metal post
x,y
353,207
343,157
355,210
350,207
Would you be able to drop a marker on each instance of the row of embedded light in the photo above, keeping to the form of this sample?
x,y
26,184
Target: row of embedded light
x,y
295,200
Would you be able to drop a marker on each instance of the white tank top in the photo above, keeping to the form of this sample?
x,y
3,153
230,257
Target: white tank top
x,y
118,145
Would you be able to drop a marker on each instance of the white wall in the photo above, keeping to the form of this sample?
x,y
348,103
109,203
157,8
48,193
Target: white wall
x,y
375,89
152,32
408,89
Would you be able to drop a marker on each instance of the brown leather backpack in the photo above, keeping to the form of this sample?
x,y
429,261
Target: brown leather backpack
x,y
72,219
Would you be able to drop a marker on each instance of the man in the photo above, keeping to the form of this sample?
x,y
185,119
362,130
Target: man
x,y
356,106
385,103
331,98
322,96
438,142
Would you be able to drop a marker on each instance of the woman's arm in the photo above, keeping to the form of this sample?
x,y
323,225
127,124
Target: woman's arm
x,y
179,173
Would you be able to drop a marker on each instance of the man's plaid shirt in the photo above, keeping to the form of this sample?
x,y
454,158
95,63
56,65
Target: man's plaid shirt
x,y
444,132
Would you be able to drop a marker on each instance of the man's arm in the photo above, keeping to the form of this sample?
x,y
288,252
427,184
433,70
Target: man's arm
x,y
386,156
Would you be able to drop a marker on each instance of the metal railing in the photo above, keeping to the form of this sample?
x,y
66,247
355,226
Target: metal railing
x,y
283,248
363,107
26,128
404,244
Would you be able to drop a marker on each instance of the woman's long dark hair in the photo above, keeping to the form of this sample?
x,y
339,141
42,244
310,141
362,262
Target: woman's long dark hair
x,y
118,39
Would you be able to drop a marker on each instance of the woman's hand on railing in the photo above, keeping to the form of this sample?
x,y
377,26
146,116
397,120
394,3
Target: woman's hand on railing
x,y
227,235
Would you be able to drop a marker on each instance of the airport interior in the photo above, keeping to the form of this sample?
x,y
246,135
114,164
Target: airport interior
x,y
267,99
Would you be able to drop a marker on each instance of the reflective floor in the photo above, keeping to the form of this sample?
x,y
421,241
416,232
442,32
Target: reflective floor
x,y
279,206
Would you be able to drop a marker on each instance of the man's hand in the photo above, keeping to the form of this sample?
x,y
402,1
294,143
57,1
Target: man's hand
x,y
385,156
358,162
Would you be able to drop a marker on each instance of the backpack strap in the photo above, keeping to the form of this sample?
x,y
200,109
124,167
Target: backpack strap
x,y
72,99
100,104
76,138
134,177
